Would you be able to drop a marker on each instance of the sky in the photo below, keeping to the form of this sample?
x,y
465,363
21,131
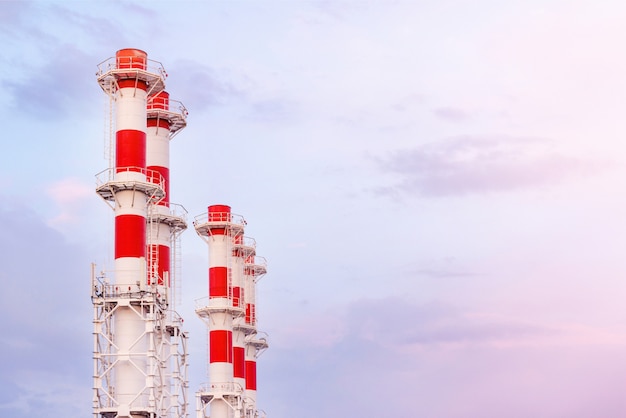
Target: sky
x,y
437,187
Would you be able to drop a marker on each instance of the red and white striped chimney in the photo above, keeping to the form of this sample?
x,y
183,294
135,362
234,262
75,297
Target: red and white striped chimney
x,y
240,249
158,163
221,324
130,226
253,269
139,347
130,165
234,343
163,226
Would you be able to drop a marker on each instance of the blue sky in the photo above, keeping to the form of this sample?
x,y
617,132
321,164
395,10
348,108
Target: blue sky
x,y
437,187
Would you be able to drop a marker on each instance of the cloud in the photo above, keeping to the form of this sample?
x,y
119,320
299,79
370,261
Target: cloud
x,y
399,325
273,110
55,46
202,86
11,15
92,27
446,267
451,114
436,359
340,11
70,195
47,311
51,91
474,165
395,323
408,103
38,390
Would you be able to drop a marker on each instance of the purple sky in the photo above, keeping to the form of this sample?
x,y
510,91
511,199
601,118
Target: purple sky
x,y
437,187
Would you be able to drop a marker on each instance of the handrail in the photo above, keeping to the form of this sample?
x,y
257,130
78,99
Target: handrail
x,y
221,386
249,242
258,261
113,291
204,302
201,302
176,115
176,210
152,176
178,107
175,318
146,65
219,217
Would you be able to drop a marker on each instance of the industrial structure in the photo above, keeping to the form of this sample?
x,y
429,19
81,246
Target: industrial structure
x,y
139,346
229,312
140,359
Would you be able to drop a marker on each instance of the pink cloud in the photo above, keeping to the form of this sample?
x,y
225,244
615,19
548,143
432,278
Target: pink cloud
x,y
438,360
451,114
70,195
470,164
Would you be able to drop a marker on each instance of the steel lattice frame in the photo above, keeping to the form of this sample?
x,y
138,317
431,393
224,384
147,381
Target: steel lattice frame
x,y
164,394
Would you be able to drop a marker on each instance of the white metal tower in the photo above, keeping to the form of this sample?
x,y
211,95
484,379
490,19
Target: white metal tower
x,y
139,353
221,398
229,312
